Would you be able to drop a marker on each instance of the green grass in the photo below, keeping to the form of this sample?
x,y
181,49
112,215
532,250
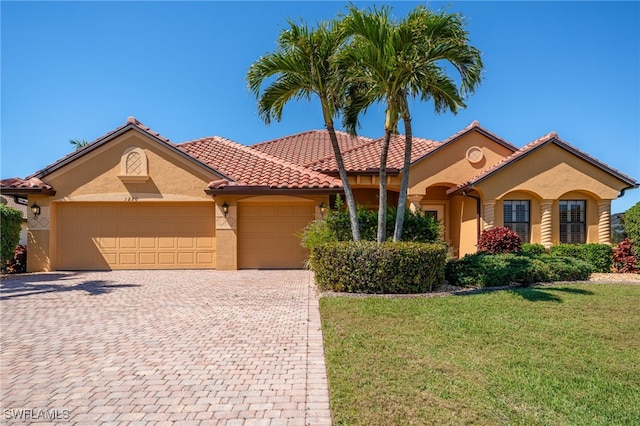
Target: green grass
x,y
555,355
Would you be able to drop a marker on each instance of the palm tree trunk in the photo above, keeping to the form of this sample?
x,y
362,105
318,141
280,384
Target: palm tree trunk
x,y
404,184
382,198
348,192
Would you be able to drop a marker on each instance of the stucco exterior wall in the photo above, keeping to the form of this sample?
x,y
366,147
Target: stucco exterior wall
x,y
450,165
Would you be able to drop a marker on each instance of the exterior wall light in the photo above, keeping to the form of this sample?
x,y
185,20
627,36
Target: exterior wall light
x,y
323,209
225,209
35,209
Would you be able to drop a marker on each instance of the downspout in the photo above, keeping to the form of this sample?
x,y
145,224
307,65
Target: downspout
x,y
623,190
478,211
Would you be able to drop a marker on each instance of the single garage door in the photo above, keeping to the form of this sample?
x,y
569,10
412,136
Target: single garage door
x,y
135,235
267,234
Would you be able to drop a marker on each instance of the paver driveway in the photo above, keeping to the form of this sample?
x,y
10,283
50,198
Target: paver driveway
x,y
153,347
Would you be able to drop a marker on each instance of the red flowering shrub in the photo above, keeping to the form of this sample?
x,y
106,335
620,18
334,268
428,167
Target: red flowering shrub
x,y
499,240
624,260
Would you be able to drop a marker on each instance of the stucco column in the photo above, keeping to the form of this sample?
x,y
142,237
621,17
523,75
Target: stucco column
x,y
226,237
489,209
604,221
414,202
546,223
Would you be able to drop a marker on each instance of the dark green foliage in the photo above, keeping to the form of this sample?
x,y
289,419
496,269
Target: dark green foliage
x,y
495,270
499,240
533,249
369,267
418,227
10,224
600,256
632,226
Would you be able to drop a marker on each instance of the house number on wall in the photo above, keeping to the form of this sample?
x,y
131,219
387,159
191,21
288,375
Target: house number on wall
x,y
131,198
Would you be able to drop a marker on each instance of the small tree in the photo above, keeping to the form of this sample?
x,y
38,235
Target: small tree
x,y
632,225
10,224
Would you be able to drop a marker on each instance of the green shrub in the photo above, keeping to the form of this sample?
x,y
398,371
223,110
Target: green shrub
x,y
495,270
10,225
369,267
600,256
418,226
533,249
632,226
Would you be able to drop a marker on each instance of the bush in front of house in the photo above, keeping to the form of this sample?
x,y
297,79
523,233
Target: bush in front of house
x,y
600,256
369,267
625,260
418,226
10,224
18,264
495,270
533,249
632,226
499,240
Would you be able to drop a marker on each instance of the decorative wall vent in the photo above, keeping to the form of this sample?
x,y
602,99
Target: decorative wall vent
x,y
474,155
133,166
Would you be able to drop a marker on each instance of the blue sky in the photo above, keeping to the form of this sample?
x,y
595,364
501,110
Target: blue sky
x,y
76,70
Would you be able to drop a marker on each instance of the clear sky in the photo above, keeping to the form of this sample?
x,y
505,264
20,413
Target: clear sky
x,y
76,70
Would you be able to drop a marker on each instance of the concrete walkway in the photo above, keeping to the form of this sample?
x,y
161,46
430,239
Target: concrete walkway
x,y
162,347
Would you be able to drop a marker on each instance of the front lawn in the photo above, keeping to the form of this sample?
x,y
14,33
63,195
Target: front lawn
x,y
552,355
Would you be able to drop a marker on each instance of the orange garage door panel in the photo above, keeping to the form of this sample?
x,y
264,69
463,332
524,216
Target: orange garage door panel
x,y
135,236
267,234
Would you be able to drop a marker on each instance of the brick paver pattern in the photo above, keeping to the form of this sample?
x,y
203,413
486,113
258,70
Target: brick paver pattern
x,y
162,347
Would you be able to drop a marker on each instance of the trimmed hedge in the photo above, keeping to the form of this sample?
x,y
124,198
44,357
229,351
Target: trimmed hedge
x,y
496,270
369,267
533,249
600,256
499,240
10,225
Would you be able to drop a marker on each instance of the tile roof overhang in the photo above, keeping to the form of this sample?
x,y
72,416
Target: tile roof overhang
x,y
18,186
131,124
551,138
253,171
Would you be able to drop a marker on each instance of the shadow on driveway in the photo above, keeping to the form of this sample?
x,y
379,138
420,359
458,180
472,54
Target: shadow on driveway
x,y
12,287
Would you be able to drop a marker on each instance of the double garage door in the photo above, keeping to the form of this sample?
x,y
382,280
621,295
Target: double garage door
x,y
136,235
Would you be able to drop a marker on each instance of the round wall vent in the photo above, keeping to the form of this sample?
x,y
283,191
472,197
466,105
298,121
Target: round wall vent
x,y
474,154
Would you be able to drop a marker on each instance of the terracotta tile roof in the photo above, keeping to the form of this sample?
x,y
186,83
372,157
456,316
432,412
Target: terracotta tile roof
x,y
249,167
366,157
16,185
551,137
307,148
313,150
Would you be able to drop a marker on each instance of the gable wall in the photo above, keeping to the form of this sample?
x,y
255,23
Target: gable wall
x,y
94,177
450,165
550,172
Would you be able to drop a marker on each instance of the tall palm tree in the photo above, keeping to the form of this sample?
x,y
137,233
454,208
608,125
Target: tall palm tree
x,y
396,62
303,66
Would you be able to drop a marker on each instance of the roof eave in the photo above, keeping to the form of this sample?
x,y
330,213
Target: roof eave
x,y
267,190
26,191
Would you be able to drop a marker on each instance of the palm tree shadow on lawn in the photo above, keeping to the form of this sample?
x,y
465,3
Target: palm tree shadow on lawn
x,y
546,294
41,284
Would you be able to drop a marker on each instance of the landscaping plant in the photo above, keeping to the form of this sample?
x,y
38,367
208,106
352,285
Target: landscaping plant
x,y
499,240
10,225
624,259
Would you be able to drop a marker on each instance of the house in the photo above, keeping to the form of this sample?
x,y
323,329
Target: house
x,y
133,199
20,204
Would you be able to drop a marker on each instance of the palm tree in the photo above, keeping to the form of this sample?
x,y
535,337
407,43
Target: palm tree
x,y
303,66
400,61
78,143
